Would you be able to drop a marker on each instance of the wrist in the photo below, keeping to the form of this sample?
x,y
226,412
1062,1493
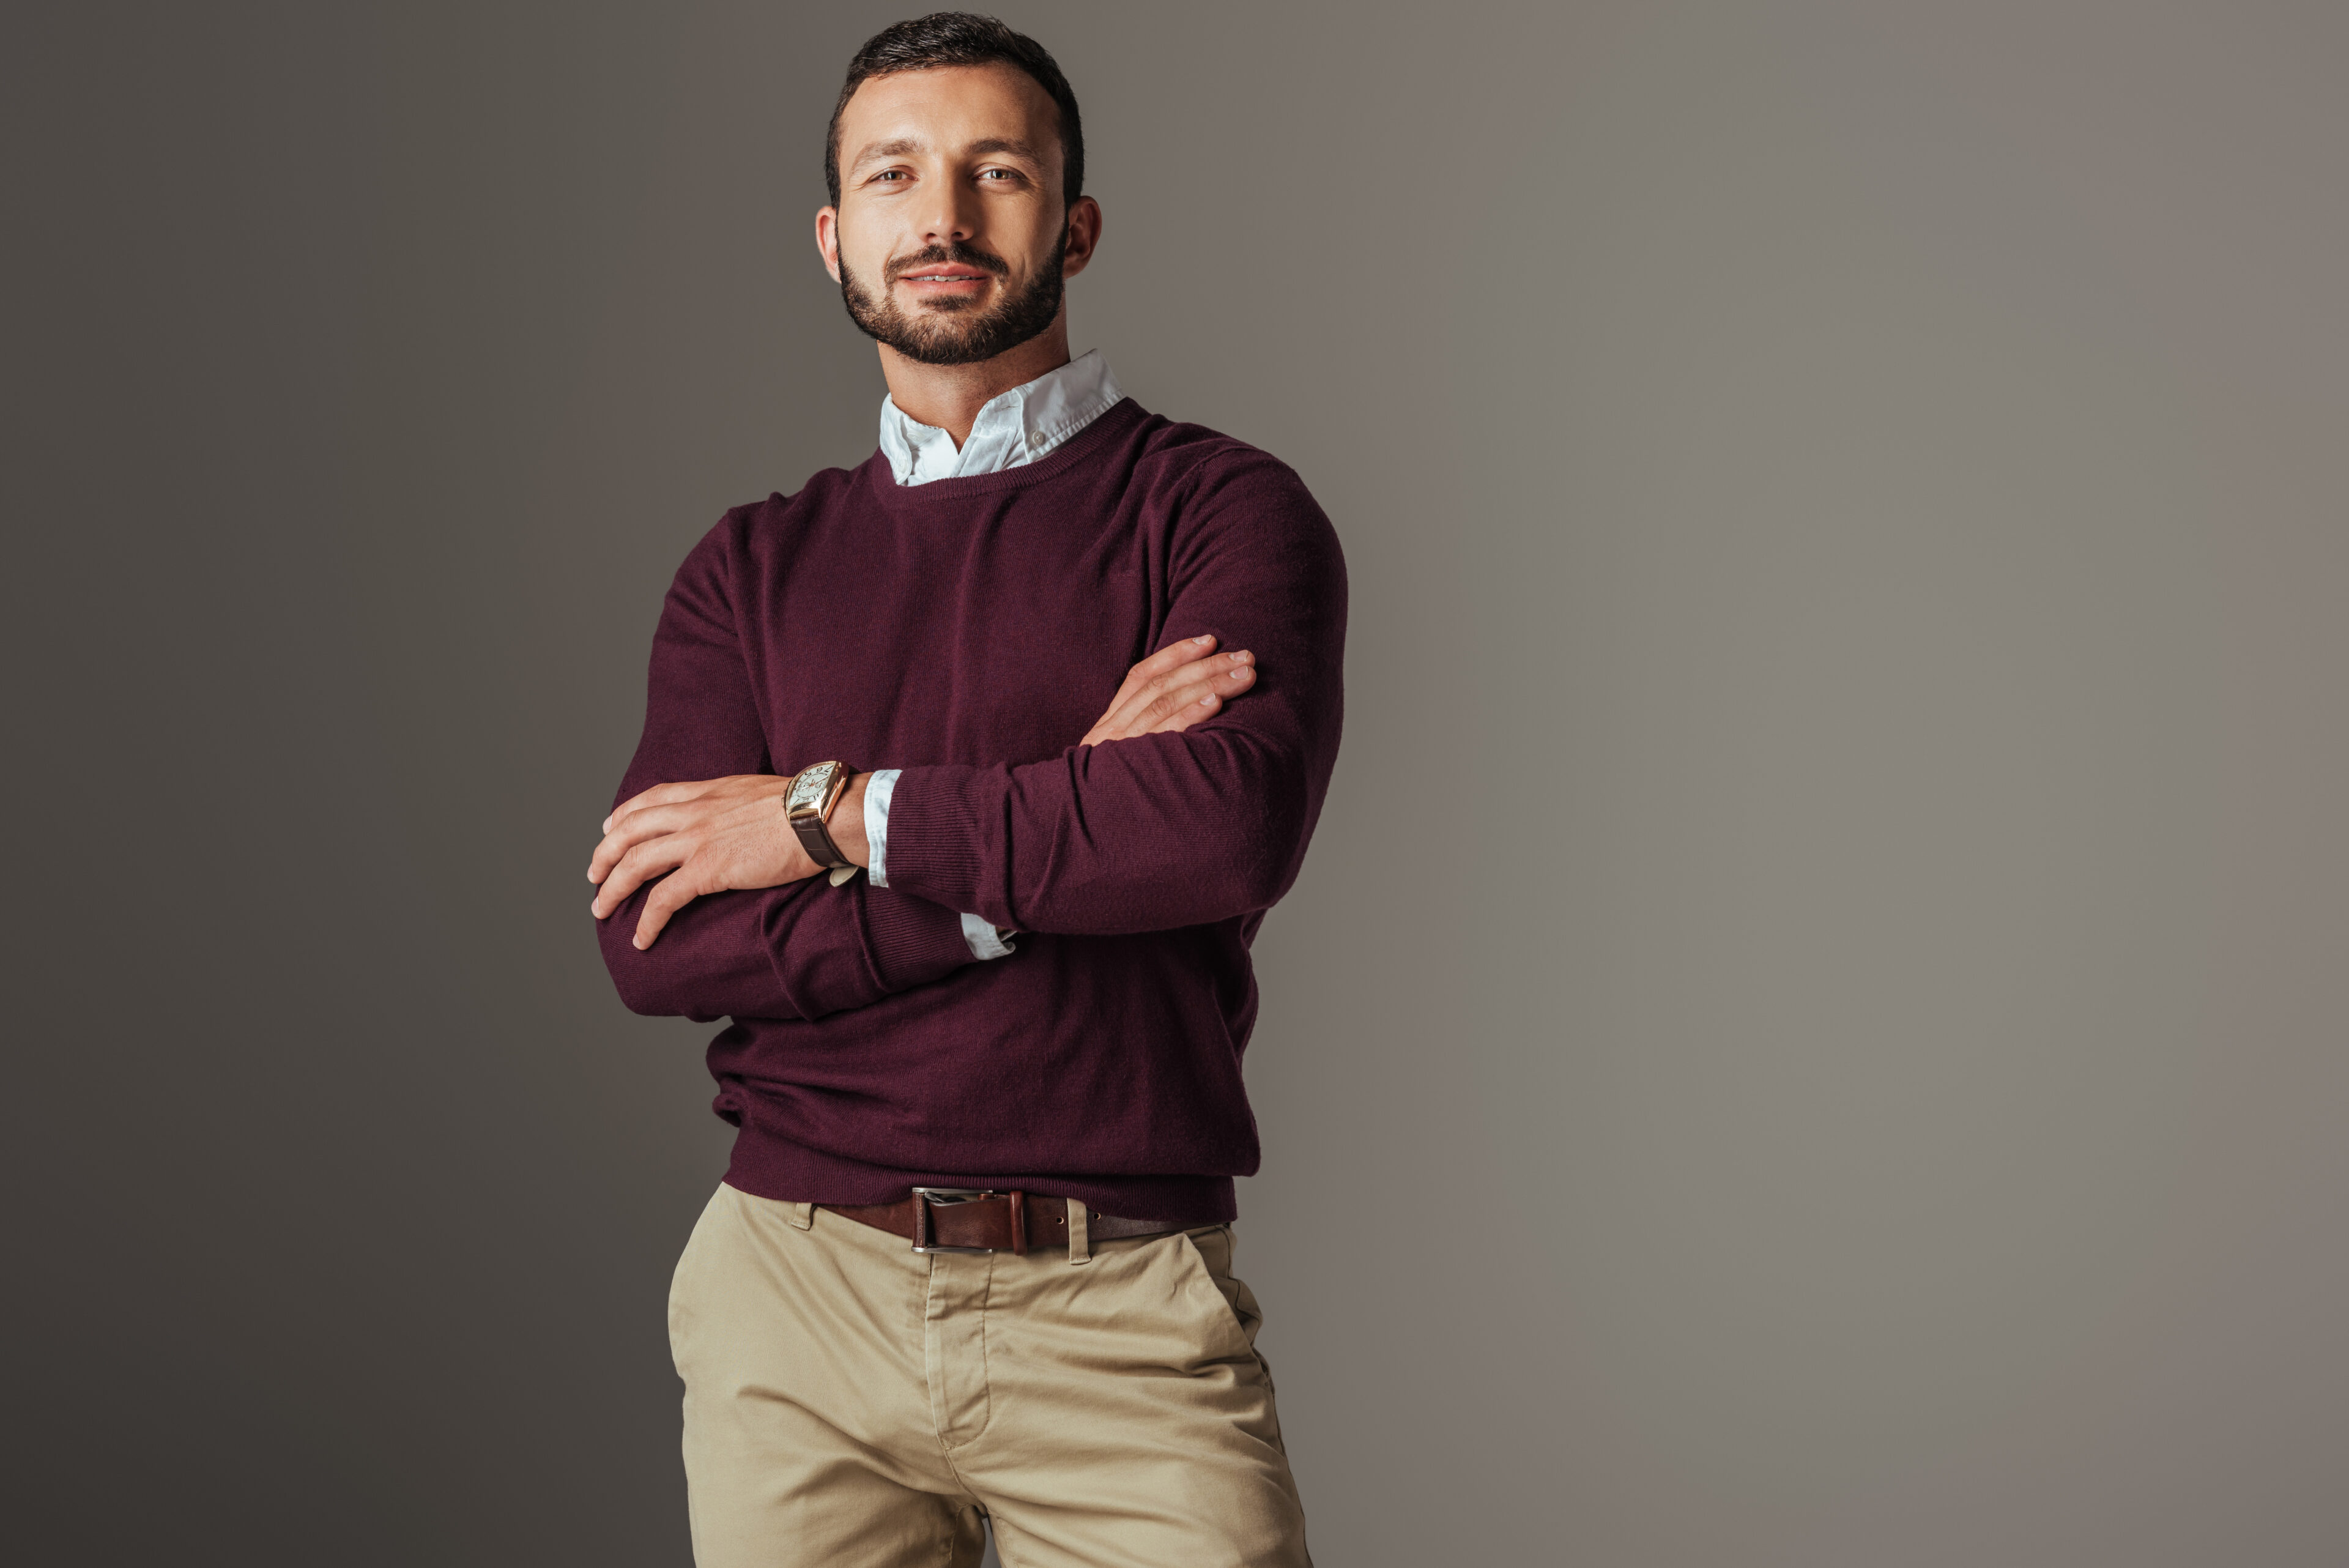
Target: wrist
x,y
846,822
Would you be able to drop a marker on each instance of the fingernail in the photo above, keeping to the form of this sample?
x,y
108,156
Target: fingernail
x,y
636,942
1203,639
608,824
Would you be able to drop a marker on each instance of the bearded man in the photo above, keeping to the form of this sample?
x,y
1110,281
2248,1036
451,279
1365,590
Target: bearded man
x,y
982,936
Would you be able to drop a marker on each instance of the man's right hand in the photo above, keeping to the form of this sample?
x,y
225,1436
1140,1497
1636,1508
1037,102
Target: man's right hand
x,y
1173,689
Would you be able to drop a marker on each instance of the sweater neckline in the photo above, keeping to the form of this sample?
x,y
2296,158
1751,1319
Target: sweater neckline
x,y
1120,416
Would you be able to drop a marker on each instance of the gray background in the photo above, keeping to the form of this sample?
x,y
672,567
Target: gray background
x,y
1845,501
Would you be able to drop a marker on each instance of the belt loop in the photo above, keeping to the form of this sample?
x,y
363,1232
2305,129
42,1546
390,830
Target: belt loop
x,y
1080,1246
803,1216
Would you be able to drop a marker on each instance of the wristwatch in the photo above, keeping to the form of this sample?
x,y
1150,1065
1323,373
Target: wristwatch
x,y
808,804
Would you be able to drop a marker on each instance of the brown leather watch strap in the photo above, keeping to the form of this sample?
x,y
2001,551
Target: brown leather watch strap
x,y
813,827
993,1221
817,841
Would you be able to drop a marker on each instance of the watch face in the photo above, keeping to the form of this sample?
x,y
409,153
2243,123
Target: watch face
x,y
808,790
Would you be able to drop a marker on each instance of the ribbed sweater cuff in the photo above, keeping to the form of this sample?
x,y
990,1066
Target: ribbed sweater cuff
x,y
915,940
934,841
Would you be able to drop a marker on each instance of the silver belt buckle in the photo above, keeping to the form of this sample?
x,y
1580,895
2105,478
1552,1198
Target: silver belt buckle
x,y
924,1197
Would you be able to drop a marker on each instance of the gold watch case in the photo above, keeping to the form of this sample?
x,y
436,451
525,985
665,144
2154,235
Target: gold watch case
x,y
815,791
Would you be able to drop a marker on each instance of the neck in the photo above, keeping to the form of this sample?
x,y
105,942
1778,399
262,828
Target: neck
x,y
950,396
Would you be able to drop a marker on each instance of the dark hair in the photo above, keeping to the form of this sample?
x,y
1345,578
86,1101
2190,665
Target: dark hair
x,y
960,38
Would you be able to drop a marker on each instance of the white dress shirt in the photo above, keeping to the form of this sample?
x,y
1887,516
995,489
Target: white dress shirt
x,y
1013,429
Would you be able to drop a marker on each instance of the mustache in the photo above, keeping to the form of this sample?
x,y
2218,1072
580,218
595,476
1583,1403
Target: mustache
x,y
934,255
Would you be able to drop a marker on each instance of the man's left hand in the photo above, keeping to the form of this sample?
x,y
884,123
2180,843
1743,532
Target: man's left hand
x,y
708,837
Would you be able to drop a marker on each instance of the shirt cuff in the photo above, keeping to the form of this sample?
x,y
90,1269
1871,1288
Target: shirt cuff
x,y
980,933
877,790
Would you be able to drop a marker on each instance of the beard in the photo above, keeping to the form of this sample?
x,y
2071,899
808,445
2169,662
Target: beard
x,y
956,332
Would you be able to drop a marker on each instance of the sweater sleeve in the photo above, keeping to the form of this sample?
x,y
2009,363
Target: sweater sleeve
x,y
1166,830
799,951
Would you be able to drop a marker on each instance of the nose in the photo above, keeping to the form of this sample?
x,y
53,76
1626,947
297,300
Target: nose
x,y
949,213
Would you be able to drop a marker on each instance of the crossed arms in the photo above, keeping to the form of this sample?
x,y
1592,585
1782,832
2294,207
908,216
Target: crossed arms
x,y
1180,806
722,834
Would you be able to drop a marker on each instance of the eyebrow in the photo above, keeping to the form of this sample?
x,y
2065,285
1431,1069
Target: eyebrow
x,y
1013,145
905,145
897,148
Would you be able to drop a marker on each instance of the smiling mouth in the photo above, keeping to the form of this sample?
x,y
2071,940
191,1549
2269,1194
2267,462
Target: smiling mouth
x,y
944,277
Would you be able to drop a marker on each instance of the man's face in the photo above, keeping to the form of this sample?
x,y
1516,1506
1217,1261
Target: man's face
x,y
950,241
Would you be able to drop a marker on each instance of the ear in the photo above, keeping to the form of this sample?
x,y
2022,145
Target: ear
x,y
827,239
1084,235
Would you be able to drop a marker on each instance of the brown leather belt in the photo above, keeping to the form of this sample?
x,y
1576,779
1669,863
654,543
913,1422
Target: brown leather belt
x,y
957,1220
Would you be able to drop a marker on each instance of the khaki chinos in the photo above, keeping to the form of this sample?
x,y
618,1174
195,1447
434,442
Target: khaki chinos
x,y
851,1403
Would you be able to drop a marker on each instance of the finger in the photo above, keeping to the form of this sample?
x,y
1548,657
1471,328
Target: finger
x,y
1188,686
639,827
1181,709
1207,706
1148,709
662,794
1172,657
1137,711
640,866
659,794
675,890
696,804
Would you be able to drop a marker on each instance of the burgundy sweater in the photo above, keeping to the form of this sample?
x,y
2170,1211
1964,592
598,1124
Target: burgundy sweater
x,y
968,631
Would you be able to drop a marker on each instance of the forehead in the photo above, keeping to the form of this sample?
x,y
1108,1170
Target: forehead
x,y
946,108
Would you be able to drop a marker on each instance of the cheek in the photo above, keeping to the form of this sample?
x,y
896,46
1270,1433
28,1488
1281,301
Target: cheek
x,y
865,250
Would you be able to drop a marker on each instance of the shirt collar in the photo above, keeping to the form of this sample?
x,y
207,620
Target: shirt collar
x,y
1013,428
